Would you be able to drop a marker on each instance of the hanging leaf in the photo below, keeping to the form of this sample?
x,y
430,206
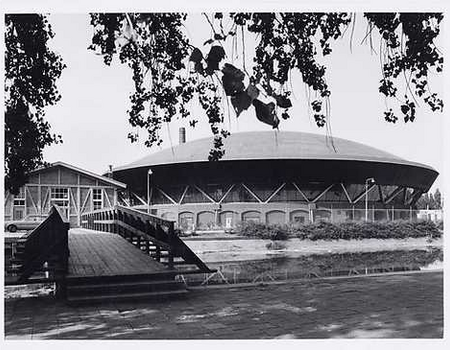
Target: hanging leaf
x,y
216,54
196,56
232,80
199,67
252,91
209,41
283,101
265,112
243,100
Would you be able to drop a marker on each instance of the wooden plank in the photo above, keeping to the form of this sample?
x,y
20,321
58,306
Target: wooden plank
x,y
96,253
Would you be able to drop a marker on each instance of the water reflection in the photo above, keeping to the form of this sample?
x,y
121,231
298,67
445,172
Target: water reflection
x,y
324,265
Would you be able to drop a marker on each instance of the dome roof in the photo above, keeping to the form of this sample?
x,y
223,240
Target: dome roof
x,y
269,145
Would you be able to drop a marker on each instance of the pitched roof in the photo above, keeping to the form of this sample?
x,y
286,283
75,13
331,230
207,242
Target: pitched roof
x,y
82,171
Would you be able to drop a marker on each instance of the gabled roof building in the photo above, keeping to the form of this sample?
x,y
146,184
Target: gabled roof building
x,y
73,189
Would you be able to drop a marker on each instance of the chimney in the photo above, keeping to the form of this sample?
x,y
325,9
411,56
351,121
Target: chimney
x,y
109,173
182,135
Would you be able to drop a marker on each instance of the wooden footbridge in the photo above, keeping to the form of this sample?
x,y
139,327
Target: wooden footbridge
x,y
119,254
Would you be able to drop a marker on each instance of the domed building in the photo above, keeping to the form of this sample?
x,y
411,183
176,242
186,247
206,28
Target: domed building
x,y
276,178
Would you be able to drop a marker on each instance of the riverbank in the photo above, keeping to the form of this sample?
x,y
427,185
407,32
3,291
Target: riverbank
x,y
237,249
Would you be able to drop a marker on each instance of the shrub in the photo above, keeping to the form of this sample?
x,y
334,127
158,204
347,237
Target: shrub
x,y
258,230
345,230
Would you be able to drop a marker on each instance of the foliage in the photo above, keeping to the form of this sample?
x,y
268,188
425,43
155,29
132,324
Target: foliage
x,y
325,230
258,230
31,72
156,49
169,72
430,200
407,49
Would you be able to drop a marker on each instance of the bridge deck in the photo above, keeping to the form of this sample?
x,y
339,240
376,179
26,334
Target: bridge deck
x,y
95,253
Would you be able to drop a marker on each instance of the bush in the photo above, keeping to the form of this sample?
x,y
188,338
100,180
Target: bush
x,y
257,230
345,230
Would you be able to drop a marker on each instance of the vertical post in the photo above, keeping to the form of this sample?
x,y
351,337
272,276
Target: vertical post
x,y
138,242
158,253
149,173
370,180
171,233
366,200
114,218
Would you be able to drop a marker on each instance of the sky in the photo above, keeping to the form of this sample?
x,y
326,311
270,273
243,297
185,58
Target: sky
x,y
92,114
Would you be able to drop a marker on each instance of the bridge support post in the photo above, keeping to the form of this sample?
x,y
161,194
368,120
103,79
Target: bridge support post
x,y
170,234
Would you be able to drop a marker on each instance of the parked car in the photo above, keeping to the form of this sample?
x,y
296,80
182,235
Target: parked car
x,y
13,226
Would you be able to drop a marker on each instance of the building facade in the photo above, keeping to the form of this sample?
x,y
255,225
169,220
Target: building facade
x,y
73,189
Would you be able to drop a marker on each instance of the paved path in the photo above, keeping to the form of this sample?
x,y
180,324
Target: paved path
x,y
389,306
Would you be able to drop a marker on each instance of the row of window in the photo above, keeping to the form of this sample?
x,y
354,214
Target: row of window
x,y
60,197
207,220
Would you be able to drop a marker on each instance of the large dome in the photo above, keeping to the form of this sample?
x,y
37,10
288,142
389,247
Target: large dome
x,y
268,145
278,156
274,177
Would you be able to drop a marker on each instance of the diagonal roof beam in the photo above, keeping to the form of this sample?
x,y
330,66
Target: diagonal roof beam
x,y
301,192
251,192
393,194
226,193
323,192
166,195
205,194
346,193
276,191
363,193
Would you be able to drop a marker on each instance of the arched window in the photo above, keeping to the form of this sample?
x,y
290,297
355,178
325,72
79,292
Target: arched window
x,y
298,217
277,217
186,221
228,219
205,220
252,215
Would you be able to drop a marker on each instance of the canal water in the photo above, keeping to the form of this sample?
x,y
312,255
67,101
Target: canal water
x,y
279,268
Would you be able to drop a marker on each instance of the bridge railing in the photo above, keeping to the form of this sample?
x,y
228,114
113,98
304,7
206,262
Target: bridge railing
x,y
45,248
152,234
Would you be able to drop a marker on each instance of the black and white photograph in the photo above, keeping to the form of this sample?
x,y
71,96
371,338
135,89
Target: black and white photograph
x,y
200,173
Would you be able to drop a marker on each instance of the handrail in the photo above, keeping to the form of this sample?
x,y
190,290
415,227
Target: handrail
x,y
145,227
49,238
